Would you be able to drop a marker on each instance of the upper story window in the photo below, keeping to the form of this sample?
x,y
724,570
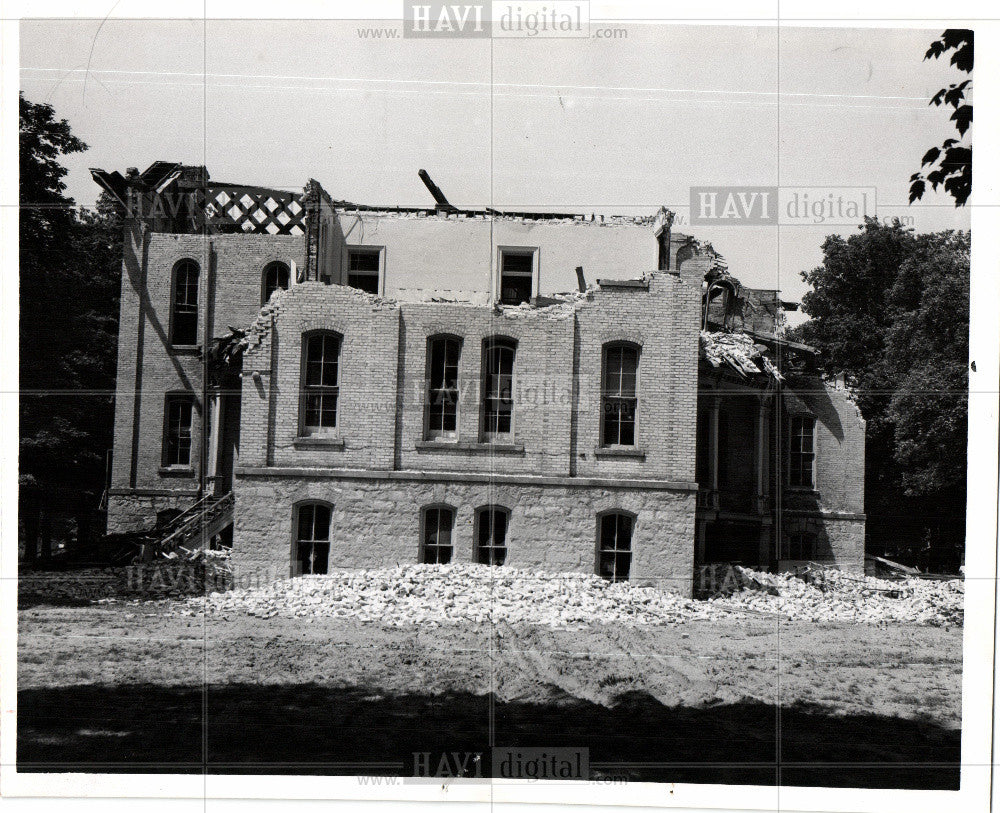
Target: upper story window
x,y
619,394
614,545
491,535
517,275
663,249
498,388
443,354
184,308
276,275
177,429
439,521
320,382
802,456
364,266
312,538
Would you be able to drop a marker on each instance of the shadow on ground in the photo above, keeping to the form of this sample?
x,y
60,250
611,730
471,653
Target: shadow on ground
x,y
311,729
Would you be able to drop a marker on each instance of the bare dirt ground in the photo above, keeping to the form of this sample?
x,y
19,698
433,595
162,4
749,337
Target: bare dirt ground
x,y
118,687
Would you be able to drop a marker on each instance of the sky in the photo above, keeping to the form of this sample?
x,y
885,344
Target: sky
x,y
582,125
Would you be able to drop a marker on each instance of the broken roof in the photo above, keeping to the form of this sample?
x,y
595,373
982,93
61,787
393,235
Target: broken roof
x,y
252,202
739,352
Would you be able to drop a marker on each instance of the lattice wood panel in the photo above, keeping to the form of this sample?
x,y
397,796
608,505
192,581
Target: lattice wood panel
x,y
258,211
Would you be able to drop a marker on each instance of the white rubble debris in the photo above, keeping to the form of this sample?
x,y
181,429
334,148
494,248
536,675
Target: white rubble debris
x,y
463,593
739,351
828,594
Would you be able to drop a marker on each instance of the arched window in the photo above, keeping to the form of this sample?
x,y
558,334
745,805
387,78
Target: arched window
x,y
312,538
275,275
498,388
184,307
614,545
438,525
443,354
491,535
320,382
619,394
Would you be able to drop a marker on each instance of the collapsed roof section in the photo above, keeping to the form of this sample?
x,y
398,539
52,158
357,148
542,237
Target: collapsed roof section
x,y
743,329
739,352
181,199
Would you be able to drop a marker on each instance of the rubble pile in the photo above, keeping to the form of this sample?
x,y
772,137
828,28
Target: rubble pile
x,y
738,351
456,593
177,575
827,594
463,593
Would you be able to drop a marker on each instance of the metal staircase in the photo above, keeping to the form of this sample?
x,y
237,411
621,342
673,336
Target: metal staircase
x,y
193,529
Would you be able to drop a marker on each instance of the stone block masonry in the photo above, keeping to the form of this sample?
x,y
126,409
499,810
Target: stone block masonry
x,y
376,521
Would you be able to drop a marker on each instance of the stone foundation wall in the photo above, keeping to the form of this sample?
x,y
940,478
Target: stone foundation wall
x,y
376,522
137,512
840,540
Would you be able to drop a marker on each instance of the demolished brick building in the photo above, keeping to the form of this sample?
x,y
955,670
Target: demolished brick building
x,y
323,384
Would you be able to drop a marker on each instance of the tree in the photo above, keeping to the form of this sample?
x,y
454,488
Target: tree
x,y
890,309
70,265
928,343
953,158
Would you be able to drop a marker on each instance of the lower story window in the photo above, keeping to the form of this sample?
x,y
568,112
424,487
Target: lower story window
x,y
438,525
799,546
313,538
491,536
615,546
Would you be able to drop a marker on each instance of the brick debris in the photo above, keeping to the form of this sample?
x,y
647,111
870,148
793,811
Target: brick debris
x,y
463,593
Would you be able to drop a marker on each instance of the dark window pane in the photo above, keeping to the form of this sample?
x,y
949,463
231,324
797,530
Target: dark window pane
x,y
608,527
364,282
363,260
321,555
321,526
516,272
444,527
614,559
185,328
306,522
484,527
276,275
177,450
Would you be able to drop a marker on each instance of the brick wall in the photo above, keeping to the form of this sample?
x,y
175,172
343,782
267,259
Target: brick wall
x,y
663,321
366,405
149,367
834,510
557,381
542,389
